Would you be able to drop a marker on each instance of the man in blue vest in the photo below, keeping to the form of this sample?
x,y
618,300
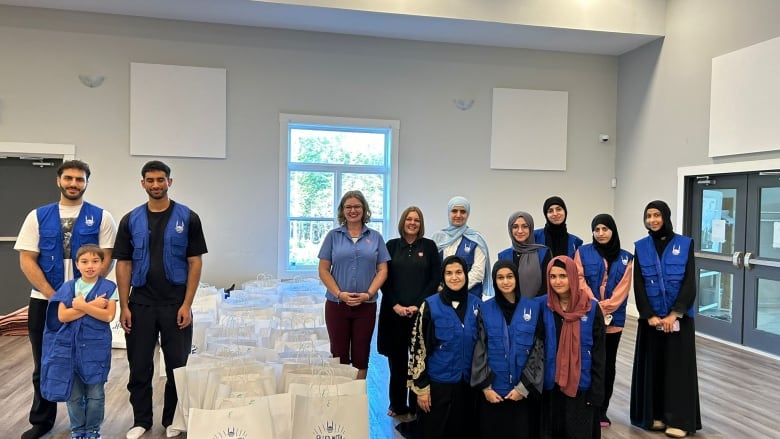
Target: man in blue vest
x,y
47,244
158,249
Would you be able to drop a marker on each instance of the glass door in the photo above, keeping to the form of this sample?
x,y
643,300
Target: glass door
x,y
762,264
735,223
718,204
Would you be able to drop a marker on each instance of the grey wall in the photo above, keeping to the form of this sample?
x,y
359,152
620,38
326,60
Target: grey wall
x,y
664,96
443,151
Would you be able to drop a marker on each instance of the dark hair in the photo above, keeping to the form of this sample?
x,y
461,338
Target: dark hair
x,y
358,196
74,164
156,165
406,213
90,248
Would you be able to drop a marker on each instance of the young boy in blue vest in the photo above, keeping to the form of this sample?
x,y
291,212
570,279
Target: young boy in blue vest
x,y
77,344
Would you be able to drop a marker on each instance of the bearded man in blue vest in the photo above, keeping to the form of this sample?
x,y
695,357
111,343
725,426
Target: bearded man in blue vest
x,y
158,249
47,244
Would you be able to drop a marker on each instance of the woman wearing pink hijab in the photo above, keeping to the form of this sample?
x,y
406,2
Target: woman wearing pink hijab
x,y
574,356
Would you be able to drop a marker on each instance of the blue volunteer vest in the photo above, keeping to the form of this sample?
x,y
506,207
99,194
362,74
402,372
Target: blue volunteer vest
x,y
663,276
450,360
508,347
174,245
551,346
593,268
508,255
86,230
82,346
573,244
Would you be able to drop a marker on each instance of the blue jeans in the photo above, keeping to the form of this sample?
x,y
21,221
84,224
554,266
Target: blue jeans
x,y
86,406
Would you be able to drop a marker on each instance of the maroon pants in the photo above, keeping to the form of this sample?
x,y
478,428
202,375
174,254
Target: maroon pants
x,y
350,329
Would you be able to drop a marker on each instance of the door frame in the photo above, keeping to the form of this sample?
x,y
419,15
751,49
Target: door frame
x,y
718,168
64,151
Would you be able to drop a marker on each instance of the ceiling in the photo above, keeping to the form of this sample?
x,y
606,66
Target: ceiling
x,y
355,22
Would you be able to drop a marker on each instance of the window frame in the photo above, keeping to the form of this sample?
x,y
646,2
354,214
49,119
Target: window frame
x,y
390,171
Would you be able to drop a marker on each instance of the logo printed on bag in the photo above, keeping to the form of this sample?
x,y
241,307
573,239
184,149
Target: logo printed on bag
x,y
330,430
231,433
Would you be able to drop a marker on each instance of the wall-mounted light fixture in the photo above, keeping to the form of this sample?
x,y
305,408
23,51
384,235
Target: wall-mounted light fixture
x,y
463,104
92,81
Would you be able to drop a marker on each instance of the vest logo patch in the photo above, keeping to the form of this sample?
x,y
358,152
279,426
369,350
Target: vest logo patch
x,y
584,318
676,250
179,226
526,314
624,260
89,221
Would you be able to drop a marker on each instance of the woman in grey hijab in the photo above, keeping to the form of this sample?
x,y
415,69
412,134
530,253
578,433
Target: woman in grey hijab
x,y
531,258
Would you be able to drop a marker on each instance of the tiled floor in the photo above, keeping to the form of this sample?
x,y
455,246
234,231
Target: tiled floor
x,y
381,426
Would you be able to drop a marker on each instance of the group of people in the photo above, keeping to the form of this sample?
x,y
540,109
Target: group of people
x,y
537,358
66,249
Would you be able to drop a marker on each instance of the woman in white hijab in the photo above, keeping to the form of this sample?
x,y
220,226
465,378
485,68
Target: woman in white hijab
x,y
461,240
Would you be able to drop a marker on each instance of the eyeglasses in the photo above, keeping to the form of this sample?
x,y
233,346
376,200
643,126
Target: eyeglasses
x,y
355,207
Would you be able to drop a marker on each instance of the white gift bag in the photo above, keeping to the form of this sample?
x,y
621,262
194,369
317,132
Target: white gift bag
x,y
336,416
248,422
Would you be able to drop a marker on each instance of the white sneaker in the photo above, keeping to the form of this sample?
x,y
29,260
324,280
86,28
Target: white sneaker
x,y
171,432
135,432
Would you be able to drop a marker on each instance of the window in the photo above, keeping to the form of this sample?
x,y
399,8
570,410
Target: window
x,y
324,157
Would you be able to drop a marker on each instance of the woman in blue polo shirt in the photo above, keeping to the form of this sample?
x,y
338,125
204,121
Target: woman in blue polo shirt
x,y
353,265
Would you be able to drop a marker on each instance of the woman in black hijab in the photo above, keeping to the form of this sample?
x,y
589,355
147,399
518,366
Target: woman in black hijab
x,y
607,270
508,364
554,234
664,385
443,339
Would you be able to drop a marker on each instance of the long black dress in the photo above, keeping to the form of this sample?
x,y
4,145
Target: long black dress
x,y
414,273
664,384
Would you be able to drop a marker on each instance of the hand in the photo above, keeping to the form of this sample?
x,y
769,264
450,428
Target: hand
x,y
668,322
126,319
491,396
79,303
412,310
514,395
424,402
606,308
184,317
654,321
100,302
401,310
353,299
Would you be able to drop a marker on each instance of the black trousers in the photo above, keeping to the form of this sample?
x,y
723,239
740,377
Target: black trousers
x,y
43,412
402,400
149,322
613,340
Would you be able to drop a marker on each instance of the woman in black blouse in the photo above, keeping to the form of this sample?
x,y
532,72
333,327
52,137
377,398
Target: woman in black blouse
x,y
414,273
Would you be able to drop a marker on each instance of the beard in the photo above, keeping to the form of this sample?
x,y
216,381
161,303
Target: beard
x,y
64,191
158,196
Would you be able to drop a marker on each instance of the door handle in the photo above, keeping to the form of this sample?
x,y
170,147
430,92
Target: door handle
x,y
736,259
748,257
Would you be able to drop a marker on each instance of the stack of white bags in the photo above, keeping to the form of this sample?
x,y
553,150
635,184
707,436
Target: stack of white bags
x,y
261,368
